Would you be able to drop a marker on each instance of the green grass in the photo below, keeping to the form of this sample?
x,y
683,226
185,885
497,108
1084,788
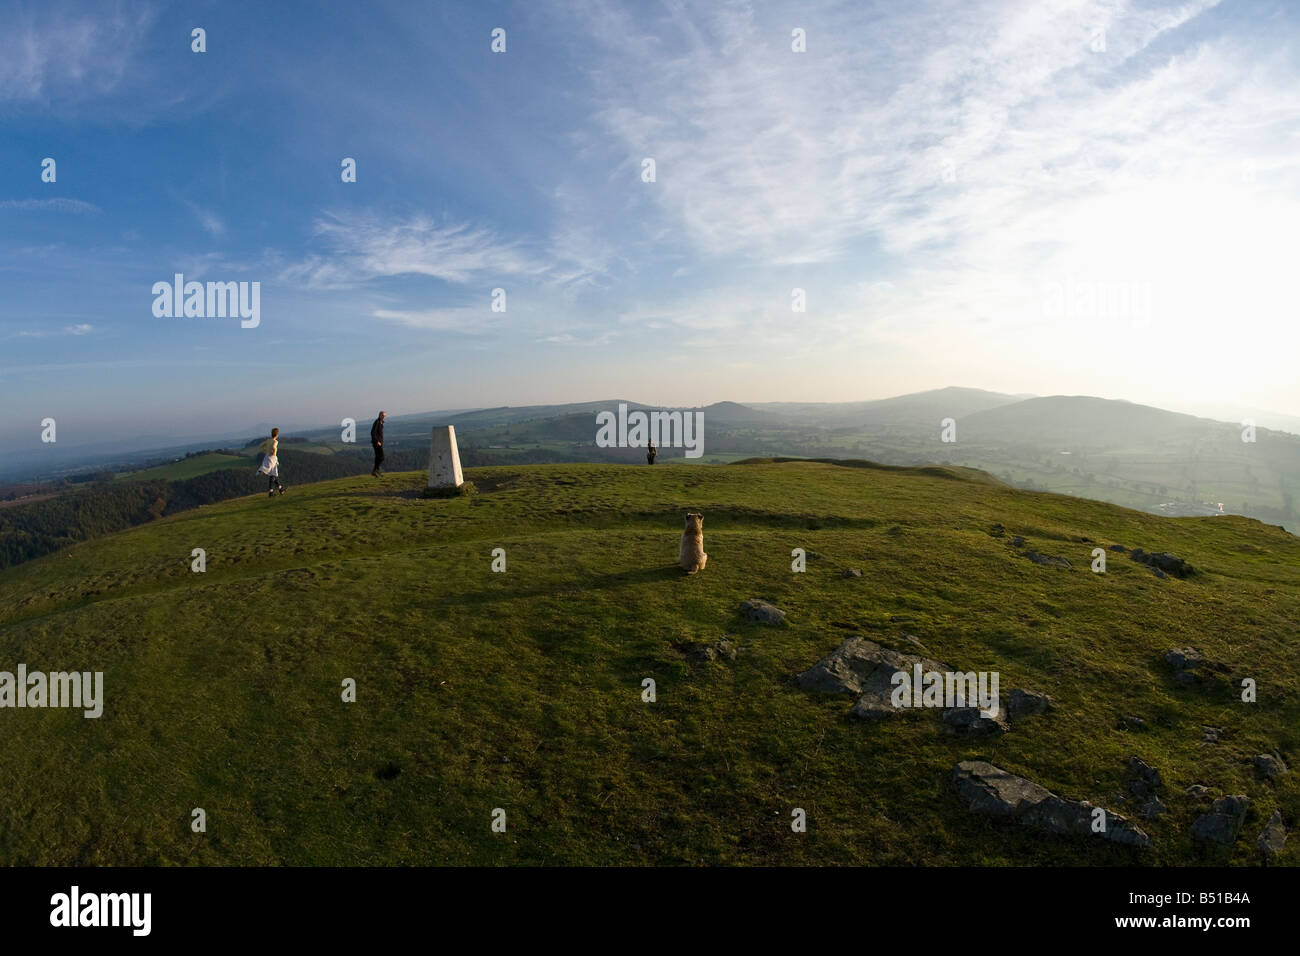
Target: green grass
x,y
316,448
191,467
522,690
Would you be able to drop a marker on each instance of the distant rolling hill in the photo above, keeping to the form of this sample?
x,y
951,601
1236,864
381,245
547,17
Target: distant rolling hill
x,y
921,410
523,690
734,413
1116,451
720,412
507,415
1138,456
1135,455
1085,422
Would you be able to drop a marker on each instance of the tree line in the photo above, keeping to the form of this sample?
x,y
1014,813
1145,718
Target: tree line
x,y
96,504
104,506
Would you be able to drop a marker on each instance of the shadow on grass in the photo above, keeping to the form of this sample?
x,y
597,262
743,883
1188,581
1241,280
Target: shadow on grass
x,y
662,573
601,583
390,491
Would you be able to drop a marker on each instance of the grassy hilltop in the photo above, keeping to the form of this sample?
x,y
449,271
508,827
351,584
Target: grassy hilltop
x,y
522,690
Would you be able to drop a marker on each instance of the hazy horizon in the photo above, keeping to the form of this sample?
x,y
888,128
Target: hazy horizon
x,y
1084,198
140,442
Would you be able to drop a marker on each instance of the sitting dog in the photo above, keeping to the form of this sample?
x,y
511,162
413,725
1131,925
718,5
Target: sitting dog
x,y
692,557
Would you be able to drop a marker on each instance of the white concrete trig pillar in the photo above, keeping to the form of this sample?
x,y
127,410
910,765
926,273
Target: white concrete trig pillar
x,y
444,459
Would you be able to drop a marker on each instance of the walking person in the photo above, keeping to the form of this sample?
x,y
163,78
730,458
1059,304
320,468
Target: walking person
x,y
377,442
271,463
650,453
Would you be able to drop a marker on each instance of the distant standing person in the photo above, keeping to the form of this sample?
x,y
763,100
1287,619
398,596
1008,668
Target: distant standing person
x,y
271,463
650,453
377,442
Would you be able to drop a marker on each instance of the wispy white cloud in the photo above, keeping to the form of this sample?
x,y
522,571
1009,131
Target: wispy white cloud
x,y
57,204
50,51
81,328
929,172
975,155
465,320
210,221
793,158
364,247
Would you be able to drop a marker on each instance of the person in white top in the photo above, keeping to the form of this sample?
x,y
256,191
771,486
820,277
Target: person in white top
x,y
271,463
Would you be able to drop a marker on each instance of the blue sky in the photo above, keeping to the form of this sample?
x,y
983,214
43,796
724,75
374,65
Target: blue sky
x,y
1077,197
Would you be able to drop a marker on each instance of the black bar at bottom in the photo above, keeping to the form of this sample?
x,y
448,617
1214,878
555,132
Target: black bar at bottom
x,y
654,906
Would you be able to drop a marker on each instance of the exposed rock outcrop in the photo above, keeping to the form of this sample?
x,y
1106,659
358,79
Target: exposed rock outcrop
x,y
1223,822
1026,703
1271,765
760,612
721,649
1051,560
1191,668
1273,837
1163,563
866,669
971,720
991,790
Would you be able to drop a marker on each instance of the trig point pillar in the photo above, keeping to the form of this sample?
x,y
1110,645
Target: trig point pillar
x,y
444,459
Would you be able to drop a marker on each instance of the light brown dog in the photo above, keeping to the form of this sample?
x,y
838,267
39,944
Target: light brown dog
x,y
692,557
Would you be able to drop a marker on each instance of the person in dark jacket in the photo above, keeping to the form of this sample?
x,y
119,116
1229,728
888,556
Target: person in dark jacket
x,y
650,453
377,442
